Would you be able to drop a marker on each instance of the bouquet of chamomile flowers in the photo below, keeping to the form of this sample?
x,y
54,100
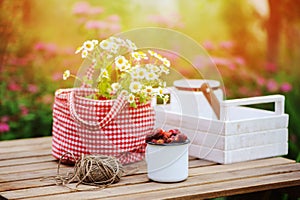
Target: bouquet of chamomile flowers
x,y
122,69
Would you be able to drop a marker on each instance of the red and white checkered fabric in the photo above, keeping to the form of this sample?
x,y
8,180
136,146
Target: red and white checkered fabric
x,y
106,127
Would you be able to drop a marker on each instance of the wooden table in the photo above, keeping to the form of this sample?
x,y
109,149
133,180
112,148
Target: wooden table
x,y
27,164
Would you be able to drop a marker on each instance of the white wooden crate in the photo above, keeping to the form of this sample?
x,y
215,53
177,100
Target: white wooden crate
x,y
241,134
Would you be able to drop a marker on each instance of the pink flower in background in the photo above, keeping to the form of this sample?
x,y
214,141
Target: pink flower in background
x,y
208,45
4,127
4,118
226,44
271,67
171,21
19,61
47,99
24,110
39,46
243,91
272,85
239,60
49,47
56,76
221,61
202,61
113,18
231,65
13,86
95,10
114,28
286,87
32,88
95,24
81,8
260,81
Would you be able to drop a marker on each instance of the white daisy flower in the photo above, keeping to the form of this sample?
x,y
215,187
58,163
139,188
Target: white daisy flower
x,y
84,53
153,68
135,56
166,99
158,56
149,90
135,86
160,91
166,62
141,72
150,76
114,47
104,44
95,42
152,53
142,55
134,74
164,69
121,62
125,67
131,45
124,92
66,74
131,98
88,45
115,86
104,74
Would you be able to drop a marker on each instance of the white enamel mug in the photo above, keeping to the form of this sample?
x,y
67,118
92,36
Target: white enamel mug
x,y
167,162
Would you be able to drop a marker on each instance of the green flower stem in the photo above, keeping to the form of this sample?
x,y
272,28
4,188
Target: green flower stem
x,y
75,77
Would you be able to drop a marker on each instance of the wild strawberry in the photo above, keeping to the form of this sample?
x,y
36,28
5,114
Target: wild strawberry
x,y
174,131
153,141
169,140
182,137
167,134
160,141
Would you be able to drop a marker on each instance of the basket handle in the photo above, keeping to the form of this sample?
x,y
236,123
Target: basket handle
x,y
118,105
277,99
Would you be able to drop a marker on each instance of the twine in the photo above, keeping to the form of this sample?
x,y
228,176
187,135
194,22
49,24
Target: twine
x,y
96,170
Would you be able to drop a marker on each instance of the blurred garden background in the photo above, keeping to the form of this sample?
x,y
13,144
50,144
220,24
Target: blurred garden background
x,y
254,43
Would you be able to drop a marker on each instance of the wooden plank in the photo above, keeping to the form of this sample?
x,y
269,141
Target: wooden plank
x,y
25,142
48,181
27,160
57,193
24,154
25,175
221,189
23,184
133,179
28,148
200,163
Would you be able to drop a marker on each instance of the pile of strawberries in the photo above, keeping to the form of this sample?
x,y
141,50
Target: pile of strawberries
x,y
160,136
